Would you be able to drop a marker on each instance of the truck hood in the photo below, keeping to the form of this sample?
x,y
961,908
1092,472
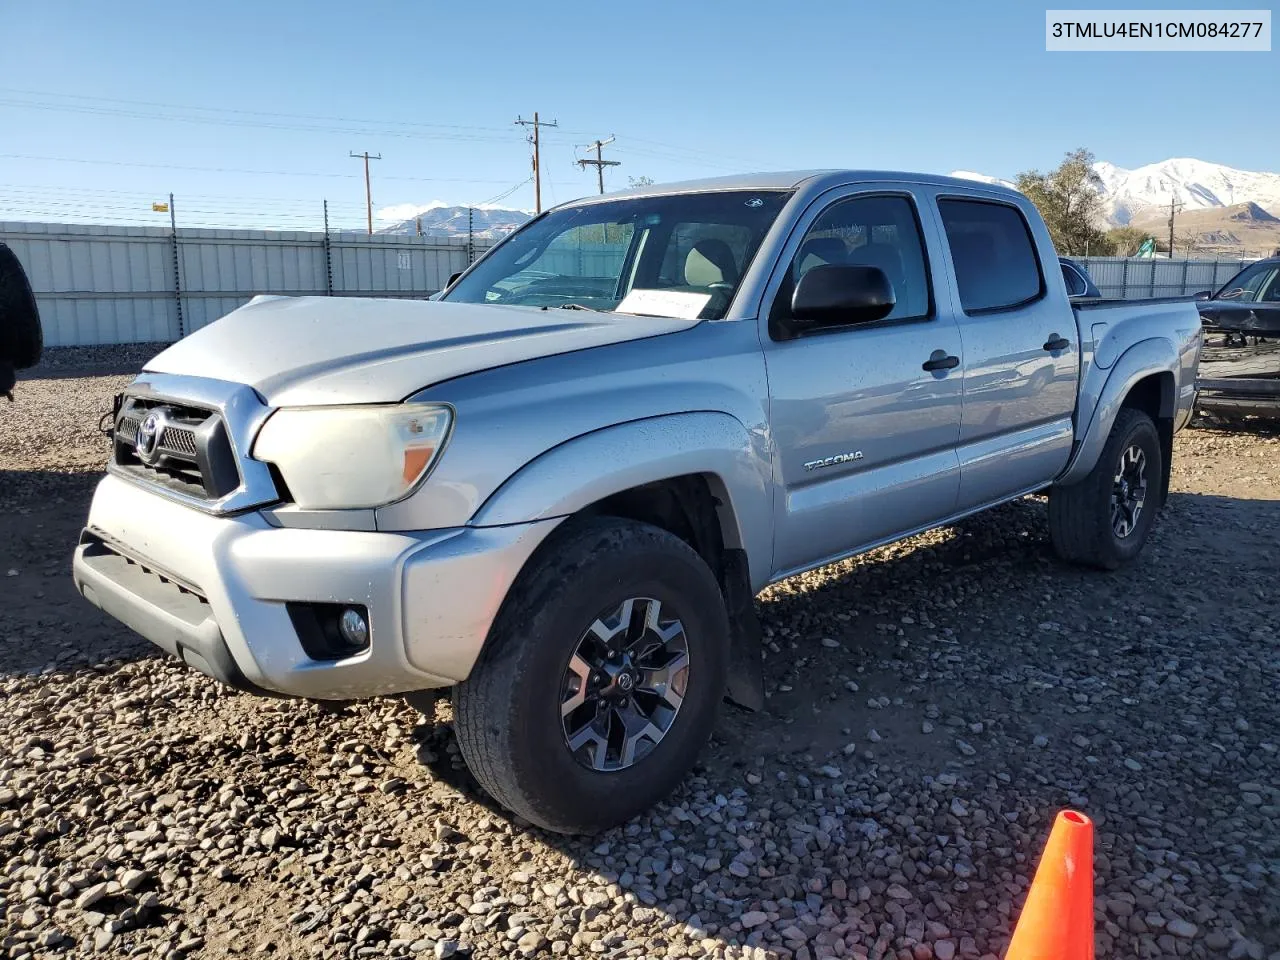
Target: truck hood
x,y
310,351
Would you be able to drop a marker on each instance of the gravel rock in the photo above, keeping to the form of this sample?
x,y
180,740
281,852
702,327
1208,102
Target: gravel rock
x,y
147,811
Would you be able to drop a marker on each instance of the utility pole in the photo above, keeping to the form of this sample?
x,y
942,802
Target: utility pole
x,y
1174,207
537,159
599,163
368,193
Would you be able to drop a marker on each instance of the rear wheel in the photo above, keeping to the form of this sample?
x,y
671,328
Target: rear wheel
x,y
601,677
1103,520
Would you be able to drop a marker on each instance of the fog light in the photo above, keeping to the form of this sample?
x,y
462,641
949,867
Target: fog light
x,y
330,631
354,628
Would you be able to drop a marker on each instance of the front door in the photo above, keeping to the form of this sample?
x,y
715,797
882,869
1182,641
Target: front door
x,y
1022,353
865,418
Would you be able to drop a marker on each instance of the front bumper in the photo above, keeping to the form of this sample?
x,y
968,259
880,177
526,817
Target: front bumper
x,y
212,590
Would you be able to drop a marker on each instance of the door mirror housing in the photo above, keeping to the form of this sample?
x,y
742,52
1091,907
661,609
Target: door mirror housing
x,y
1204,295
835,295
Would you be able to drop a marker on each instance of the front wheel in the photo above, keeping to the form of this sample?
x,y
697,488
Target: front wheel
x,y
1103,520
601,677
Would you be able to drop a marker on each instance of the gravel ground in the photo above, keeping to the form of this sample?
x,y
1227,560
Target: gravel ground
x,y
931,706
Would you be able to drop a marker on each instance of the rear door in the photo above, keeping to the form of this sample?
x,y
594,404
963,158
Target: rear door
x,y
1021,351
864,432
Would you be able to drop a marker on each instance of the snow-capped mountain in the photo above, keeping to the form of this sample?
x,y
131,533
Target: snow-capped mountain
x,y
438,219
1138,194
981,178
1195,184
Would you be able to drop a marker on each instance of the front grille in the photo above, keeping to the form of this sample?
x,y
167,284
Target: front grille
x,y
183,448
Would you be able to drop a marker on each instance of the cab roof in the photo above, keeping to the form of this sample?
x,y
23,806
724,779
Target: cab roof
x,y
814,180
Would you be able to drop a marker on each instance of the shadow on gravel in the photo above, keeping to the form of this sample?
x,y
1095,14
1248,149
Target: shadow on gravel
x,y
46,624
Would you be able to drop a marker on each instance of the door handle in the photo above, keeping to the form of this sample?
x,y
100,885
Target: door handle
x,y
1056,342
940,360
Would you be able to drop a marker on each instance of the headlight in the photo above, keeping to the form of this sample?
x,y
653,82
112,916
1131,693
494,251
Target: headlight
x,y
334,457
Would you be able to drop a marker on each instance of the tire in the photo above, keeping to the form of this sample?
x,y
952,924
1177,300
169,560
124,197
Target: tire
x,y
21,339
1082,526
507,713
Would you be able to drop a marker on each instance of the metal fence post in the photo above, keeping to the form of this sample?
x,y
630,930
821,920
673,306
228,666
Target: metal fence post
x,y
471,238
328,254
1186,263
177,273
1124,280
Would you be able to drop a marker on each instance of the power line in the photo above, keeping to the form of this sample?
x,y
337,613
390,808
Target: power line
x,y
256,113
368,191
599,163
537,160
349,129
198,169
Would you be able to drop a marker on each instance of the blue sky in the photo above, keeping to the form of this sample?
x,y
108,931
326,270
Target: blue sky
x,y
690,89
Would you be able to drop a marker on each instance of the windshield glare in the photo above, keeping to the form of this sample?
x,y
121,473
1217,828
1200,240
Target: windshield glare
x,y
679,255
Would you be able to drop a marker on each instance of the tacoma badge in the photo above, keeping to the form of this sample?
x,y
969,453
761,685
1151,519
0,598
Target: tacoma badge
x,y
832,461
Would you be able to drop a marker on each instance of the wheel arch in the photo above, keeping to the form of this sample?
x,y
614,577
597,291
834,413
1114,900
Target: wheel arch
x,y
632,462
1142,378
698,476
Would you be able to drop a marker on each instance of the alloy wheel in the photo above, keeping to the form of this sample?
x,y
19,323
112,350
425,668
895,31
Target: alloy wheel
x,y
624,685
1129,491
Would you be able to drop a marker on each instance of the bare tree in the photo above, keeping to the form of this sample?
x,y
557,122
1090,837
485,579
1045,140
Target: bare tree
x,y
1069,200
1186,241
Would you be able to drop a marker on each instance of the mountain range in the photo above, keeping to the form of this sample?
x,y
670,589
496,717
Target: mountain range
x,y
1219,208
440,220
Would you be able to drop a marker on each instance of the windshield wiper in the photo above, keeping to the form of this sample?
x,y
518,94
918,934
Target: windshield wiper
x,y
579,306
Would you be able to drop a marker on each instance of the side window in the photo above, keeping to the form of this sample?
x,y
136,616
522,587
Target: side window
x,y
873,232
994,255
1273,295
1075,282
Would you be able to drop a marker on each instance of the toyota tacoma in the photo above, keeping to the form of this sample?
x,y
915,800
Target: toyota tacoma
x,y
558,486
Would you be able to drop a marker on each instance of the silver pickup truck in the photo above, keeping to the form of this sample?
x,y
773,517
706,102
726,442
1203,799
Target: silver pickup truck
x,y
558,487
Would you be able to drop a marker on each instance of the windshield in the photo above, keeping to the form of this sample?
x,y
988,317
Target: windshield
x,y
679,255
1258,283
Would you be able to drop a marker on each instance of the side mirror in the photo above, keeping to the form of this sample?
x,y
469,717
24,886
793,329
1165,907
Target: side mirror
x,y
1204,295
835,295
21,339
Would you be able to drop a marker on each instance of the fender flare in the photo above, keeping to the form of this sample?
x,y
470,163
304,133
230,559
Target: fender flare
x,y
1146,357
593,466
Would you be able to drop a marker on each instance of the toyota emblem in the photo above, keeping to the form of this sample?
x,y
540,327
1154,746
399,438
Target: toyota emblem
x,y
147,439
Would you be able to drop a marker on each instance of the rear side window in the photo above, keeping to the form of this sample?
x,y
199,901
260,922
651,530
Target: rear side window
x,y
994,255
1075,282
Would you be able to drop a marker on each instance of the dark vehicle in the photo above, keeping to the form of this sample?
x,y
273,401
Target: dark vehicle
x,y
21,339
1248,304
1080,285
1241,373
1240,380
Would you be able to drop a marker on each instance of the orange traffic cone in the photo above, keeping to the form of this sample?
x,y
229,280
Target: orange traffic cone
x,y
1057,920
